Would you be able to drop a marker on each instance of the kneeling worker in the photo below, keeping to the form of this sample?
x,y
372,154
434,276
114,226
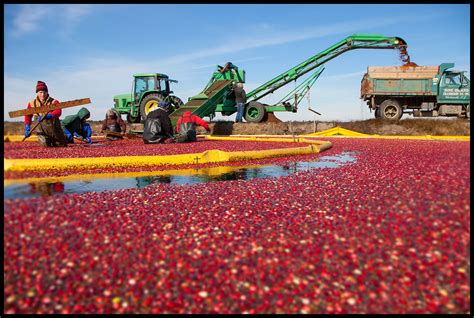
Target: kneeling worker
x,y
186,127
49,130
113,122
76,126
158,127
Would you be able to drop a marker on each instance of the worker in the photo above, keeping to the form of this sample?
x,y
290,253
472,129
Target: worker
x,y
77,126
240,100
186,127
227,67
158,127
49,129
113,122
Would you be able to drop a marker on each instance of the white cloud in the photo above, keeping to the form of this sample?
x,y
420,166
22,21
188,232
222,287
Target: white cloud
x,y
30,17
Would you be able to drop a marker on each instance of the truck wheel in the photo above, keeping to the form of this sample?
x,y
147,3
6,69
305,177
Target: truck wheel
x,y
390,109
132,120
254,112
149,104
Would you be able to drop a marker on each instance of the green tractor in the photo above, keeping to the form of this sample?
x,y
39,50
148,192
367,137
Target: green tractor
x,y
148,90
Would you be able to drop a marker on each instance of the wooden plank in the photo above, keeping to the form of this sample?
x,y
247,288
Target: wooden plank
x,y
48,108
114,133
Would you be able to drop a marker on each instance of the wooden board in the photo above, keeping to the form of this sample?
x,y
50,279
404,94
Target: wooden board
x,y
48,108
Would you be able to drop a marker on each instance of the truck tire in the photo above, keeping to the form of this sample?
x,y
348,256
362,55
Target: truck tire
x,y
254,112
390,109
468,112
377,112
149,104
132,120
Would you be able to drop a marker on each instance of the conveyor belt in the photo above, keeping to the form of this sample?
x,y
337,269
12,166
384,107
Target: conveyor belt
x,y
205,106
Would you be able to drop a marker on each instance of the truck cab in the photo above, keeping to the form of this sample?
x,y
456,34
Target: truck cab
x,y
454,88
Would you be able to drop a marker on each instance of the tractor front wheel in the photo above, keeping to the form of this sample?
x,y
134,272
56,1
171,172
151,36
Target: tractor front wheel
x,y
175,102
132,120
149,104
254,112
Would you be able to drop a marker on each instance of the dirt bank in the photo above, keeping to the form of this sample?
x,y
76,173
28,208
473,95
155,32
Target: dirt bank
x,y
410,127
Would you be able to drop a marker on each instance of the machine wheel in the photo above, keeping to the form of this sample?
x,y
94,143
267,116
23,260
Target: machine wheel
x,y
254,112
132,120
390,109
468,112
175,102
149,104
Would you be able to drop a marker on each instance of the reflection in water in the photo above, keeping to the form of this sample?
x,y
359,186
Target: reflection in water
x,y
45,188
195,176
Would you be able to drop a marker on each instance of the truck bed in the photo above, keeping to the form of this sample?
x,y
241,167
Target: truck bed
x,y
398,80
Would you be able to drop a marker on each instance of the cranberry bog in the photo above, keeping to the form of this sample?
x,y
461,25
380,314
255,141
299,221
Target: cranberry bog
x,y
387,232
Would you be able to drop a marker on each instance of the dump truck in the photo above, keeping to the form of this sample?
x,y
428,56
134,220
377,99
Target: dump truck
x,y
217,96
148,89
422,91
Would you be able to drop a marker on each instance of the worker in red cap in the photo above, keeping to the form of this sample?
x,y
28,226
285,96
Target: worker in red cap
x,y
49,133
186,127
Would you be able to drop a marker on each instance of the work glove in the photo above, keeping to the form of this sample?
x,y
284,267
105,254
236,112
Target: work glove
x,y
27,130
48,116
86,128
68,134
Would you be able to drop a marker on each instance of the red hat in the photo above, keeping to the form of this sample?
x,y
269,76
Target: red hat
x,y
41,86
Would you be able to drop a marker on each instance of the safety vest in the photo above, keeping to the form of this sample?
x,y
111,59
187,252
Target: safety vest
x,y
36,103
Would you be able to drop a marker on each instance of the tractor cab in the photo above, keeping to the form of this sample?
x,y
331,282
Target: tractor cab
x,y
147,91
147,83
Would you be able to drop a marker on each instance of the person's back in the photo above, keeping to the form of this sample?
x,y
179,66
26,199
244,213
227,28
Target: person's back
x,y
76,125
186,126
158,127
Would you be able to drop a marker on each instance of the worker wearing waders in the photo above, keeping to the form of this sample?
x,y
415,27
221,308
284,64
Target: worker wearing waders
x,y
158,127
49,133
76,126
186,127
113,122
240,100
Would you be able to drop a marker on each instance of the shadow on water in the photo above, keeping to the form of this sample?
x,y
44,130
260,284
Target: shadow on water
x,y
198,176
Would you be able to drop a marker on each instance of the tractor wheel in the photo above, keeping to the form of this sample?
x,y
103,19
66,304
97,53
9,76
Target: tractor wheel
x,y
149,104
132,120
175,102
390,109
254,112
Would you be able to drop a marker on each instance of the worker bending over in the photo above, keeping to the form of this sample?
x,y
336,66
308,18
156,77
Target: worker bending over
x,y
113,122
49,130
186,127
158,127
76,126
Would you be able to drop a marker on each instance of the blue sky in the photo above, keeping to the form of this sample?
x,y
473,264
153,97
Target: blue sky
x,y
89,50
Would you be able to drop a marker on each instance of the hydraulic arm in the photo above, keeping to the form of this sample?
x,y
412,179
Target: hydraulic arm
x,y
355,41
